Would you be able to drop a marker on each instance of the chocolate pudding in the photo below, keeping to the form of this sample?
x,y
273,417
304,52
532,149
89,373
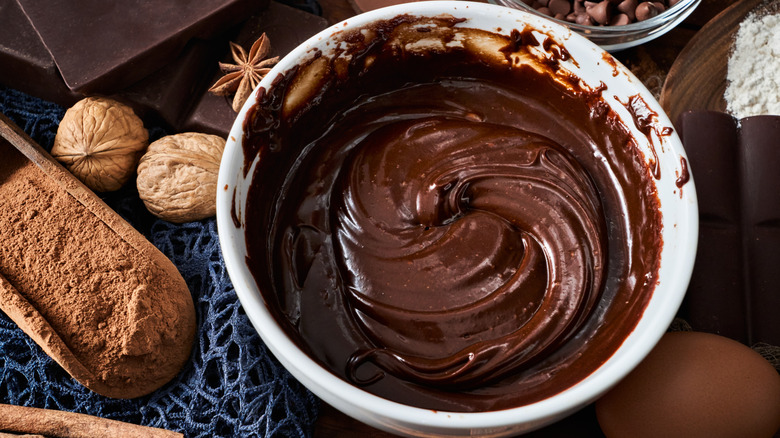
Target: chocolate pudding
x,y
448,218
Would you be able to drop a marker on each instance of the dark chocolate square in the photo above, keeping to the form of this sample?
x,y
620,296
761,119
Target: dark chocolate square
x,y
26,64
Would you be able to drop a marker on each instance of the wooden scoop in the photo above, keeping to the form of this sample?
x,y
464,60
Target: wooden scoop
x,y
87,287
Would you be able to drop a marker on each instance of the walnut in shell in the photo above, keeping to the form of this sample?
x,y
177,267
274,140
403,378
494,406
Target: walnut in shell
x,y
100,141
177,176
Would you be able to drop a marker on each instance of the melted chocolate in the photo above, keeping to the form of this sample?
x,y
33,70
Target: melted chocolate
x,y
644,120
461,221
450,229
684,175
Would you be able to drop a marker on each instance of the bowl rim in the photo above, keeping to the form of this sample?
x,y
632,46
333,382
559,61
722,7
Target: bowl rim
x,y
395,416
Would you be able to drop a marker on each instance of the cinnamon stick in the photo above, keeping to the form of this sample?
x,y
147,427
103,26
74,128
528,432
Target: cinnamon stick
x,y
13,435
53,423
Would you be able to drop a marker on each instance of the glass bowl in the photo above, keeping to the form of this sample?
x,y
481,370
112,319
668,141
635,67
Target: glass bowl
x,y
615,38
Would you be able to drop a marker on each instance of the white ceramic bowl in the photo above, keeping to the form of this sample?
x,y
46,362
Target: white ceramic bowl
x,y
680,230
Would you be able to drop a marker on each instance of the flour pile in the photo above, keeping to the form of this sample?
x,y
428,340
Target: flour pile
x,y
754,68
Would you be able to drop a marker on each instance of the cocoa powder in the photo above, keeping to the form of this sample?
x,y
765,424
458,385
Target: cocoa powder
x,y
126,325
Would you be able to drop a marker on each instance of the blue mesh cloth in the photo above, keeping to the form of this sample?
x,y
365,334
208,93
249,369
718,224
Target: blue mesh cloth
x,y
231,387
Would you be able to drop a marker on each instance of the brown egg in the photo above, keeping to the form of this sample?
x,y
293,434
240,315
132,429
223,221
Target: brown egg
x,y
695,385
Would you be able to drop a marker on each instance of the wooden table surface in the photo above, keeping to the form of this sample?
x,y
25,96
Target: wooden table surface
x,y
649,62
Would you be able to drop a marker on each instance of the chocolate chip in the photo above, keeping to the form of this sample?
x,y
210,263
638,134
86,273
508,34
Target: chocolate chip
x,y
620,20
585,20
561,7
601,12
646,11
628,7
660,6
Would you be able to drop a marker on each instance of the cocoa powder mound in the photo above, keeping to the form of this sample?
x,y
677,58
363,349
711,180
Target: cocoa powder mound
x,y
114,307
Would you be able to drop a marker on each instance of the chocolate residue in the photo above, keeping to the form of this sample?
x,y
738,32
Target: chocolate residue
x,y
645,121
234,213
684,176
448,220
557,51
612,62
518,39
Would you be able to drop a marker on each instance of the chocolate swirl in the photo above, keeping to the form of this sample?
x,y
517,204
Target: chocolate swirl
x,y
458,240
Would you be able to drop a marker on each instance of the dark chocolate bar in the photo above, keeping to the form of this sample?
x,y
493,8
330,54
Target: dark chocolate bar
x,y
165,96
734,290
103,47
26,64
175,94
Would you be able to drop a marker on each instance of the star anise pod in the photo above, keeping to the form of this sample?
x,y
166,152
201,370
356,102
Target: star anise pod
x,y
243,76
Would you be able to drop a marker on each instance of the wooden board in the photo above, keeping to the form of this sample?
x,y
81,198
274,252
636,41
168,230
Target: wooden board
x,y
697,79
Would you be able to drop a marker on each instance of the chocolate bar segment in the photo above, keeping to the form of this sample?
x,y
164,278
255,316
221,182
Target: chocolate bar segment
x,y
168,94
760,148
715,301
733,290
103,47
26,64
286,28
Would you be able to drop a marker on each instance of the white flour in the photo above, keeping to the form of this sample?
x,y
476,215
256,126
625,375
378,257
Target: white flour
x,y
754,68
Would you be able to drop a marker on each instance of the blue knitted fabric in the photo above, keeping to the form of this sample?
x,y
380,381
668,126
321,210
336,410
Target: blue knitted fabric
x,y
231,387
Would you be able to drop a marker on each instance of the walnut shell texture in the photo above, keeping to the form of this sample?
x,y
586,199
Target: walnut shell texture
x,y
100,140
177,176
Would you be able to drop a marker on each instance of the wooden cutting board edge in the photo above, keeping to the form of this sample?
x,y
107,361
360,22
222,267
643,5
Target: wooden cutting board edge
x,y
697,79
